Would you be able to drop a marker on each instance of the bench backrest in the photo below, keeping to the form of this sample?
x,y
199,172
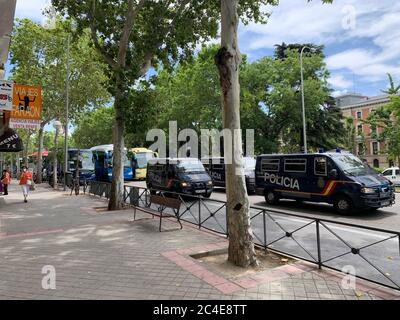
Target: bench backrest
x,y
166,202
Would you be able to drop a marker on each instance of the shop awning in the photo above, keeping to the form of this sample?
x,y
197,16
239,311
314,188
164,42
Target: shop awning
x,y
10,142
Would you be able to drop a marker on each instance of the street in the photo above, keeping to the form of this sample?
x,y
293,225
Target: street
x,y
387,218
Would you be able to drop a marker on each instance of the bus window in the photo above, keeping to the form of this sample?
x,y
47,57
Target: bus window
x,y
295,165
270,165
320,166
142,159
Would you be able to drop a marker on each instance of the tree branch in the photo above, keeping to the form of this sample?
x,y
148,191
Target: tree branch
x,y
150,53
93,33
127,30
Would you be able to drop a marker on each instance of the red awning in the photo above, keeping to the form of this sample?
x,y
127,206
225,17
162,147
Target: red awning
x,y
45,153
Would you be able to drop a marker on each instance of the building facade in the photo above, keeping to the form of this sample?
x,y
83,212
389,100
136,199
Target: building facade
x,y
358,107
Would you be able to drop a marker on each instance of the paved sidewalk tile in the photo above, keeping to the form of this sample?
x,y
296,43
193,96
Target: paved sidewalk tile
x,y
105,255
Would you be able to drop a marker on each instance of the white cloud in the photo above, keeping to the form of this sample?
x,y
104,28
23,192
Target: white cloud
x,y
338,81
372,46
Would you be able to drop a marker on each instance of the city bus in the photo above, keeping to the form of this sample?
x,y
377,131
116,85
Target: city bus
x,y
85,165
103,162
140,157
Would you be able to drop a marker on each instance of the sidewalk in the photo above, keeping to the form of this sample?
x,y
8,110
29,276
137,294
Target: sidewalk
x,y
104,255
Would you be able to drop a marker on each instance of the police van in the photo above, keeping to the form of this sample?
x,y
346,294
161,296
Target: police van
x,y
180,175
215,167
338,178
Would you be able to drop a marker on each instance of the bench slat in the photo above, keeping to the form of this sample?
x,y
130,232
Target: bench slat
x,y
166,202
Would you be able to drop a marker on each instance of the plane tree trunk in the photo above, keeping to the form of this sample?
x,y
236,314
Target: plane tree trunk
x,y
117,185
241,247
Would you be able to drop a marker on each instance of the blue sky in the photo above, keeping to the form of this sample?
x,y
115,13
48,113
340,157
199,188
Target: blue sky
x,y
361,37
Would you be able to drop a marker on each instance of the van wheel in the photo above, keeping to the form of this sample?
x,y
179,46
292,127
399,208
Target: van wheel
x,y
343,204
271,197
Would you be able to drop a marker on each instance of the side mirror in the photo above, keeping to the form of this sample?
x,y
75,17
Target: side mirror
x,y
333,174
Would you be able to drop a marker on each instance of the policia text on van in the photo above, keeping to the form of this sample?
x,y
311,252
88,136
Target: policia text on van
x,y
337,178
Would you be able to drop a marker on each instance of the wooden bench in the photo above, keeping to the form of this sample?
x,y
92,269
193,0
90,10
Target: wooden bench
x,y
164,203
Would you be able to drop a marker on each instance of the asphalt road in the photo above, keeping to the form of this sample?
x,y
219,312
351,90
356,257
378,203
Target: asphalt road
x,y
387,218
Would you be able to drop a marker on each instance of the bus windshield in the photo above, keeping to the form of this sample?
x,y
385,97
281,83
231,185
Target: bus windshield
x,y
126,162
352,165
85,160
142,159
190,166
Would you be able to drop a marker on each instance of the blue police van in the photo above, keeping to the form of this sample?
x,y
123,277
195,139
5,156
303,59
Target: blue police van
x,y
178,175
215,167
337,178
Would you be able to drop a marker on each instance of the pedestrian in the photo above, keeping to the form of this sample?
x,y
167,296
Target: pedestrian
x,y
5,181
25,182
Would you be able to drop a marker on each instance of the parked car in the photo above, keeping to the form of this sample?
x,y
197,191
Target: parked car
x,y
392,174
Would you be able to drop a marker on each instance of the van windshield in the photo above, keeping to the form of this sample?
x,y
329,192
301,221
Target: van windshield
x,y
352,165
190,166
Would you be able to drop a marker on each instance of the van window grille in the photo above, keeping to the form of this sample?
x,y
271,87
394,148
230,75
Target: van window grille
x,y
271,165
295,165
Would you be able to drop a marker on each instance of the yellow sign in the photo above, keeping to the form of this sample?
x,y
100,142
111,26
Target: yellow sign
x,y
27,102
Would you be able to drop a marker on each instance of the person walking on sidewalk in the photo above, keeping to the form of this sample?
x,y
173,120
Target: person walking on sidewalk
x,y
25,182
5,181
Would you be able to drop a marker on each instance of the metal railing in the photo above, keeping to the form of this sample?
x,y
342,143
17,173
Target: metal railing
x,y
372,252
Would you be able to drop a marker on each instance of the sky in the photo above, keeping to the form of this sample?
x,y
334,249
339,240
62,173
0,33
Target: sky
x,y
361,37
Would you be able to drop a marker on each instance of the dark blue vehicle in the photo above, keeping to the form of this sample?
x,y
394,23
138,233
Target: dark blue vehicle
x,y
103,162
180,175
338,178
216,169
85,164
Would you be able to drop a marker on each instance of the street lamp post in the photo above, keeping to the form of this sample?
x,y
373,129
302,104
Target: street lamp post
x,y
66,118
58,126
302,99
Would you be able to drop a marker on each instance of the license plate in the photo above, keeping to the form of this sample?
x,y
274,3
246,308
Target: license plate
x,y
385,203
200,191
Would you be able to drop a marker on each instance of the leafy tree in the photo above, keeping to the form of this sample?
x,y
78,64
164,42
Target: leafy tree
x,y
276,85
241,247
387,120
393,89
38,55
133,36
94,128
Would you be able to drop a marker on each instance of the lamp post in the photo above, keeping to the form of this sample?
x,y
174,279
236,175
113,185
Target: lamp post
x,y
58,126
66,118
303,100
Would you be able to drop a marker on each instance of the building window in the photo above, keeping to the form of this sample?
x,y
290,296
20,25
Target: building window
x,y
375,148
358,114
376,163
359,129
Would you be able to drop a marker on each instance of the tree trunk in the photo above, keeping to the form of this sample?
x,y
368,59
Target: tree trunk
x,y
117,185
241,247
39,176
